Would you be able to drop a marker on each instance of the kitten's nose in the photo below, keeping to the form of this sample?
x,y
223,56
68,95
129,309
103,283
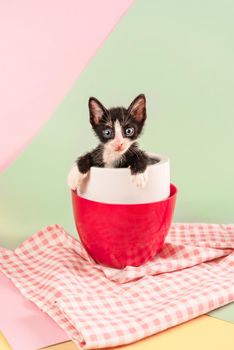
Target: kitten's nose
x,y
119,147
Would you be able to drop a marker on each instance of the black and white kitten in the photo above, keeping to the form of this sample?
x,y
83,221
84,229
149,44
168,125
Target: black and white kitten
x,y
117,129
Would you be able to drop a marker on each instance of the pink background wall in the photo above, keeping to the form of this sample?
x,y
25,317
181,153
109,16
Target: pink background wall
x,y
44,47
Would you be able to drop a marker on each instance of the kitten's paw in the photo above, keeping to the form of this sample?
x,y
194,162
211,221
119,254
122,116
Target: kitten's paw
x,y
72,179
140,179
75,179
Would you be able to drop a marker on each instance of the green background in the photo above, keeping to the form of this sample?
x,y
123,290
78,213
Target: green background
x,y
180,54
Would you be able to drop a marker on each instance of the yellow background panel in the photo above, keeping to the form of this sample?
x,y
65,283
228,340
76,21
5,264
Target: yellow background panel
x,y
4,345
202,333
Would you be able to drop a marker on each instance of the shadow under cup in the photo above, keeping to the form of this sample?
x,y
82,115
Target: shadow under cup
x,y
119,235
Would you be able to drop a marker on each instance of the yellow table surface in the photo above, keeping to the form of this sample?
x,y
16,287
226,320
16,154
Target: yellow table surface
x,y
4,345
202,333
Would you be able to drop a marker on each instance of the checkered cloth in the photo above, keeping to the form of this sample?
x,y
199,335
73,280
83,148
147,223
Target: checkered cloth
x,y
101,307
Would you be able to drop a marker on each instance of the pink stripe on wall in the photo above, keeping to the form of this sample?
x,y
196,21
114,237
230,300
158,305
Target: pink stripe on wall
x,y
44,46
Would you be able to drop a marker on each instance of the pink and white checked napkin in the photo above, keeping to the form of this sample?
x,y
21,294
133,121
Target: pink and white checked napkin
x,y
100,307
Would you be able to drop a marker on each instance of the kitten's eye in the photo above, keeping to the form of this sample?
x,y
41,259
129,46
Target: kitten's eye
x,y
129,131
107,133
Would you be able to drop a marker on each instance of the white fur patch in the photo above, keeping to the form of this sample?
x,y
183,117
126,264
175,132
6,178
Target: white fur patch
x,y
118,132
110,155
140,179
75,179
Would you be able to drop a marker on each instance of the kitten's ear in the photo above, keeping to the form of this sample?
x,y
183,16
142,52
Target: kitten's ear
x,y
138,108
96,111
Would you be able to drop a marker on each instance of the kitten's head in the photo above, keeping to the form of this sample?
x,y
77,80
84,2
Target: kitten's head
x,y
117,128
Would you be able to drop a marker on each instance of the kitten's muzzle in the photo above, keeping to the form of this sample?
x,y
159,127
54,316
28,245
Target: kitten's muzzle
x,y
119,147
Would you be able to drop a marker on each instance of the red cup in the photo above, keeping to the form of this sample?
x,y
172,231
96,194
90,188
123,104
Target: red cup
x,y
119,235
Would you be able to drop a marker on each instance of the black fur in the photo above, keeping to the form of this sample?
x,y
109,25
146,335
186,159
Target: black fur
x,y
93,158
134,158
125,120
101,119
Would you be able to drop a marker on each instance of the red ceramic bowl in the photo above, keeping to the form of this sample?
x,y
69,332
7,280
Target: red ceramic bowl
x,y
119,235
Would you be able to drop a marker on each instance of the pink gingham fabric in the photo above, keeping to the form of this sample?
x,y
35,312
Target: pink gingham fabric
x,y
101,307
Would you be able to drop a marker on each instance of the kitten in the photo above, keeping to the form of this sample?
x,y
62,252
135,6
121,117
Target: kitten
x,y
117,129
